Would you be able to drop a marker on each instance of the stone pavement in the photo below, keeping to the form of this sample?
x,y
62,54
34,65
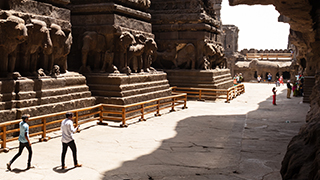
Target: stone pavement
x,y
241,140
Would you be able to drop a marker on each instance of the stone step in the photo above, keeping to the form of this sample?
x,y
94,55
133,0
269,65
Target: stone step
x,y
7,96
52,99
134,98
56,107
125,87
120,79
129,92
51,92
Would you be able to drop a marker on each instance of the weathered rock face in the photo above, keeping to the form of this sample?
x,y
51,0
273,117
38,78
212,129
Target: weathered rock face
x,y
114,48
35,39
187,33
302,158
111,36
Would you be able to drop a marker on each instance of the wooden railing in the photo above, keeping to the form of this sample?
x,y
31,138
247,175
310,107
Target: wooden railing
x,y
101,112
206,93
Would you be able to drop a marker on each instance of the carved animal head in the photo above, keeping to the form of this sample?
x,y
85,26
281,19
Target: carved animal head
x,y
151,45
127,39
56,30
13,28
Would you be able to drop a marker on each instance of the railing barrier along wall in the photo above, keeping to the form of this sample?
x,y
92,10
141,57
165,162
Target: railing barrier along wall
x,y
206,93
101,112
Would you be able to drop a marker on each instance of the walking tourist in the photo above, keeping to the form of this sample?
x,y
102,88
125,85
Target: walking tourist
x,y
67,140
269,77
274,91
23,141
289,87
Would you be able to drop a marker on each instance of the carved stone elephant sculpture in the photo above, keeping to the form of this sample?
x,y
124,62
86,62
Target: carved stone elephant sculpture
x,y
213,53
149,52
168,55
12,33
61,47
38,41
95,44
186,56
125,40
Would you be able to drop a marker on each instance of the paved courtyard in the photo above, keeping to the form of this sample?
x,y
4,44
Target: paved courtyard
x,y
245,139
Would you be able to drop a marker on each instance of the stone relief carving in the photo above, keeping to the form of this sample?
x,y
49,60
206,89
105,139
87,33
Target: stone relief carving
x,y
125,40
135,54
61,47
149,57
166,59
33,45
140,55
12,33
95,44
186,56
39,40
128,54
213,56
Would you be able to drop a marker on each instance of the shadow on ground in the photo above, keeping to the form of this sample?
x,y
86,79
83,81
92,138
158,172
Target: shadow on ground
x,y
231,147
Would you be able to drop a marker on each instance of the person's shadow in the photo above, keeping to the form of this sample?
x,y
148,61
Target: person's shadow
x,y
58,169
17,171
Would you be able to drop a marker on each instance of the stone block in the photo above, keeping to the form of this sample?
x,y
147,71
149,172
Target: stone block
x,y
215,79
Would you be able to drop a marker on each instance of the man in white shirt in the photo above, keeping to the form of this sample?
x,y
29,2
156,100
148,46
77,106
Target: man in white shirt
x,y
68,129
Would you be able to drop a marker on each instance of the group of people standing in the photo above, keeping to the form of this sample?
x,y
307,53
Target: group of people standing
x,y
237,79
67,140
296,87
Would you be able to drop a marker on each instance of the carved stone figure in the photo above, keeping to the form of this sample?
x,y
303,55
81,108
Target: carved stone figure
x,y
12,33
95,44
149,52
186,56
108,62
125,40
213,52
61,47
135,54
55,71
38,41
41,73
168,55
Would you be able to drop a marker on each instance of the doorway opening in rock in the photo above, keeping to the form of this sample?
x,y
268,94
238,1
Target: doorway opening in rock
x,y
286,75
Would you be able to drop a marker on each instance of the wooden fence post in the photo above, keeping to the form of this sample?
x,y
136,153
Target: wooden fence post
x,y
185,101
4,137
142,113
77,118
123,118
228,96
158,109
172,105
44,130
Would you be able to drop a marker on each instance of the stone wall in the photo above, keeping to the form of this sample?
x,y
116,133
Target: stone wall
x,y
302,158
35,39
187,33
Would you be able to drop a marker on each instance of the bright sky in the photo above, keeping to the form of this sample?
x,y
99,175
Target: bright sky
x,y
258,25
